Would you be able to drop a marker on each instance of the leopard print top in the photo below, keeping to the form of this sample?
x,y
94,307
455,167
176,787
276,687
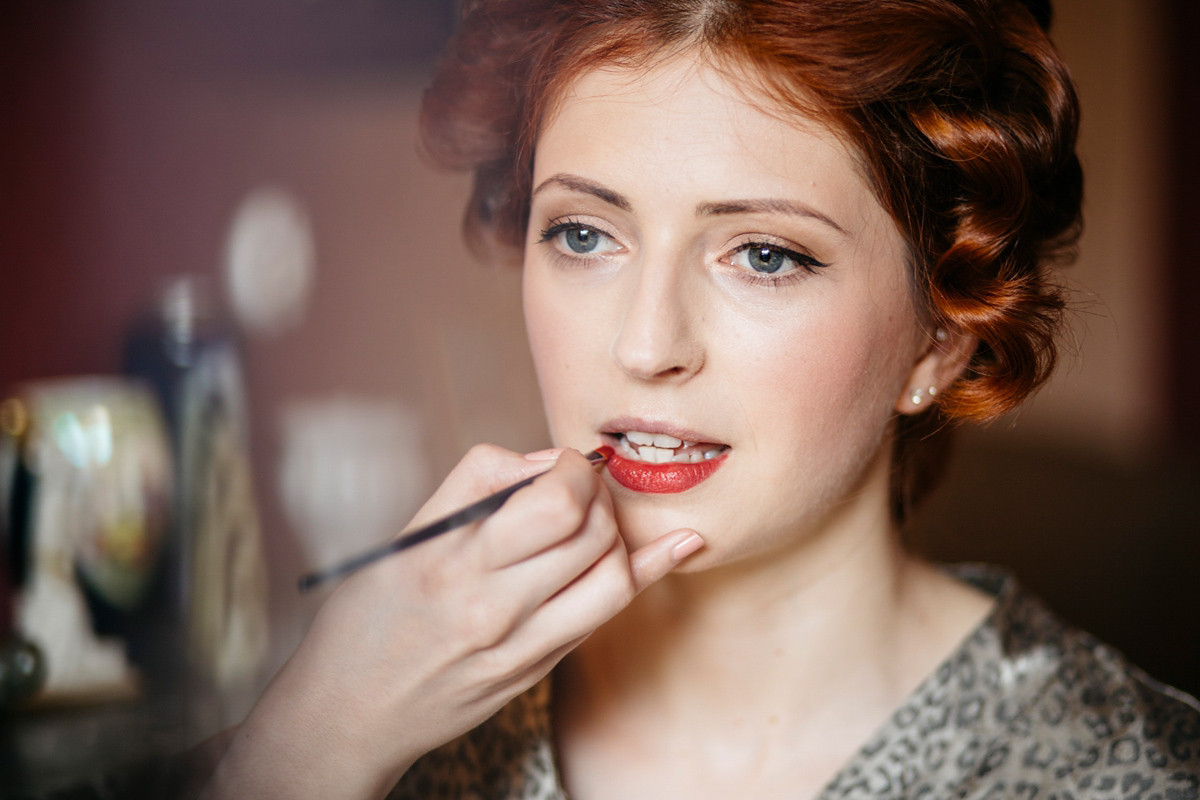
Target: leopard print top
x,y
1026,707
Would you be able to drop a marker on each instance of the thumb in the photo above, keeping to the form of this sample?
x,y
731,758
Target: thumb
x,y
652,562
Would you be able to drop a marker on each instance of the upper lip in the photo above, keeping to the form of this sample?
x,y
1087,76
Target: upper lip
x,y
626,424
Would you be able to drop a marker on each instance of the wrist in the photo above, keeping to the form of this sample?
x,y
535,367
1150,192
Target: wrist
x,y
286,748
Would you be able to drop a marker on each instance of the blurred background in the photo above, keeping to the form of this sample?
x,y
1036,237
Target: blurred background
x,y
237,179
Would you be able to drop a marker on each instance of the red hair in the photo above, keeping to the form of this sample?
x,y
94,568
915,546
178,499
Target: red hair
x,y
961,111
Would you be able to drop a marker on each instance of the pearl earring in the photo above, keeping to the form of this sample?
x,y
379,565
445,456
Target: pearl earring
x,y
940,334
919,394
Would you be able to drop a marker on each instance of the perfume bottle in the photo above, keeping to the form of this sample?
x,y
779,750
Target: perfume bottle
x,y
211,593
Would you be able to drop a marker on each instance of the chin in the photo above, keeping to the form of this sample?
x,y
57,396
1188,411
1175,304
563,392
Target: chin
x,y
639,526
641,520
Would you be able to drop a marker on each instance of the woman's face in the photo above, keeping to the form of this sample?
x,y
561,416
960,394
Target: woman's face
x,y
701,270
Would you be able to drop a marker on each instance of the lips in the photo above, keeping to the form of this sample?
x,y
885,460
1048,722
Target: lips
x,y
656,459
661,478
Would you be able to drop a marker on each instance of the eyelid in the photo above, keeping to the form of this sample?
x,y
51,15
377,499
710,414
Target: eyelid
x,y
560,225
769,240
804,261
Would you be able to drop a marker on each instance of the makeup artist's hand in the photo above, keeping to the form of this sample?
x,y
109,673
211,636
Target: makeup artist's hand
x,y
420,648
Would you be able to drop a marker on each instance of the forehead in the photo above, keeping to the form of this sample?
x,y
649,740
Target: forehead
x,y
702,127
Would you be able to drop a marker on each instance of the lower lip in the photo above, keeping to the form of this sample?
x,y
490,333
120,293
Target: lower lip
x,y
669,478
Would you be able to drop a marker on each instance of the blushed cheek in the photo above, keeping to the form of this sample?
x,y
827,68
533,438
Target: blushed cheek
x,y
561,359
838,386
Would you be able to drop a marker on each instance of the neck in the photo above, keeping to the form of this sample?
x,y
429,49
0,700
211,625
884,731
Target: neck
x,y
792,621
827,635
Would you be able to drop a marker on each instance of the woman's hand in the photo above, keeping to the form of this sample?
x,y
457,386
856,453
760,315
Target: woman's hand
x,y
420,648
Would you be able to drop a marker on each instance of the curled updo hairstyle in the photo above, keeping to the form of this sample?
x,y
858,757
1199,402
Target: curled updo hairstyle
x,y
961,112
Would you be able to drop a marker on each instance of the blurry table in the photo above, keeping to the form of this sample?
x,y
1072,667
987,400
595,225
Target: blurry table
x,y
104,751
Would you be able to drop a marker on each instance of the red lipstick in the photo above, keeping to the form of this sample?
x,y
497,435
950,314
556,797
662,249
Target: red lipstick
x,y
668,478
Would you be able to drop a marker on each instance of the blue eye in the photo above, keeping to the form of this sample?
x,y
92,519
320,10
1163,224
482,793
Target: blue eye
x,y
771,259
576,238
766,259
581,240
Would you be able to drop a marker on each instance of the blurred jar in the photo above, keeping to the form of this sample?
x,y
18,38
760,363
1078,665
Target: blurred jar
x,y
91,514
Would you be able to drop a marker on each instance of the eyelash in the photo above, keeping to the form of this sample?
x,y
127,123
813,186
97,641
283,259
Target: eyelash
x,y
564,224
806,264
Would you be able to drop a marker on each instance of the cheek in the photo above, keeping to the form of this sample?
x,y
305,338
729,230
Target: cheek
x,y
562,342
829,379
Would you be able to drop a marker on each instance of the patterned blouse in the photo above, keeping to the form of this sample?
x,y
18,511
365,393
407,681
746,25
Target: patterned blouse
x,y
1026,707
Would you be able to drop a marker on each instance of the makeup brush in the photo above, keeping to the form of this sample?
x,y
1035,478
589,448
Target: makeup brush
x,y
476,511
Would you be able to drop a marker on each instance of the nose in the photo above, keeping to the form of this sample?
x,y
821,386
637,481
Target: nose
x,y
658,338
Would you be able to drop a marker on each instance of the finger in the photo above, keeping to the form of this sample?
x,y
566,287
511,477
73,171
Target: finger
x,y
542,514
568,617
650,563
550,454
544,574
600,592
496,602
529,674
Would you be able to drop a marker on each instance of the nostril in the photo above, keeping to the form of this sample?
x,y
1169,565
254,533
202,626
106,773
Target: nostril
x,y
655,341
649,365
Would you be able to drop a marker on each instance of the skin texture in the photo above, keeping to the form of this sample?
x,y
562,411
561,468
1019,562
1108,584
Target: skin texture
x,y
413,651
660,323
663,326
792,623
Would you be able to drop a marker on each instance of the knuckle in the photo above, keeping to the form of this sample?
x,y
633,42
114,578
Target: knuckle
x,y
483,454
602,517
500,663
591,478
558,506
621,591
601,535
483,623
626,590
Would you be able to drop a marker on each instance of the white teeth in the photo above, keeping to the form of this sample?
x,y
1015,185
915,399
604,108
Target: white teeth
x,y
655,455
637,437
653,439
660,448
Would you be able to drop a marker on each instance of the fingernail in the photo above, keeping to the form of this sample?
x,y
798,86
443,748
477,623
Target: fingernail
x,y
544,455
685,548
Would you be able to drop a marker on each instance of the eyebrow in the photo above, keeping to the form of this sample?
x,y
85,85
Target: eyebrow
x,y
768,206
576,183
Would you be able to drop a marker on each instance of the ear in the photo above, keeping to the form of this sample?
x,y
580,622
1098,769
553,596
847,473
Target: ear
x,y
945,358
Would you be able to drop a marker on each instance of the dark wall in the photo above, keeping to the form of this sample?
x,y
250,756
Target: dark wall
x,y
104,138
1183,287
1111,547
